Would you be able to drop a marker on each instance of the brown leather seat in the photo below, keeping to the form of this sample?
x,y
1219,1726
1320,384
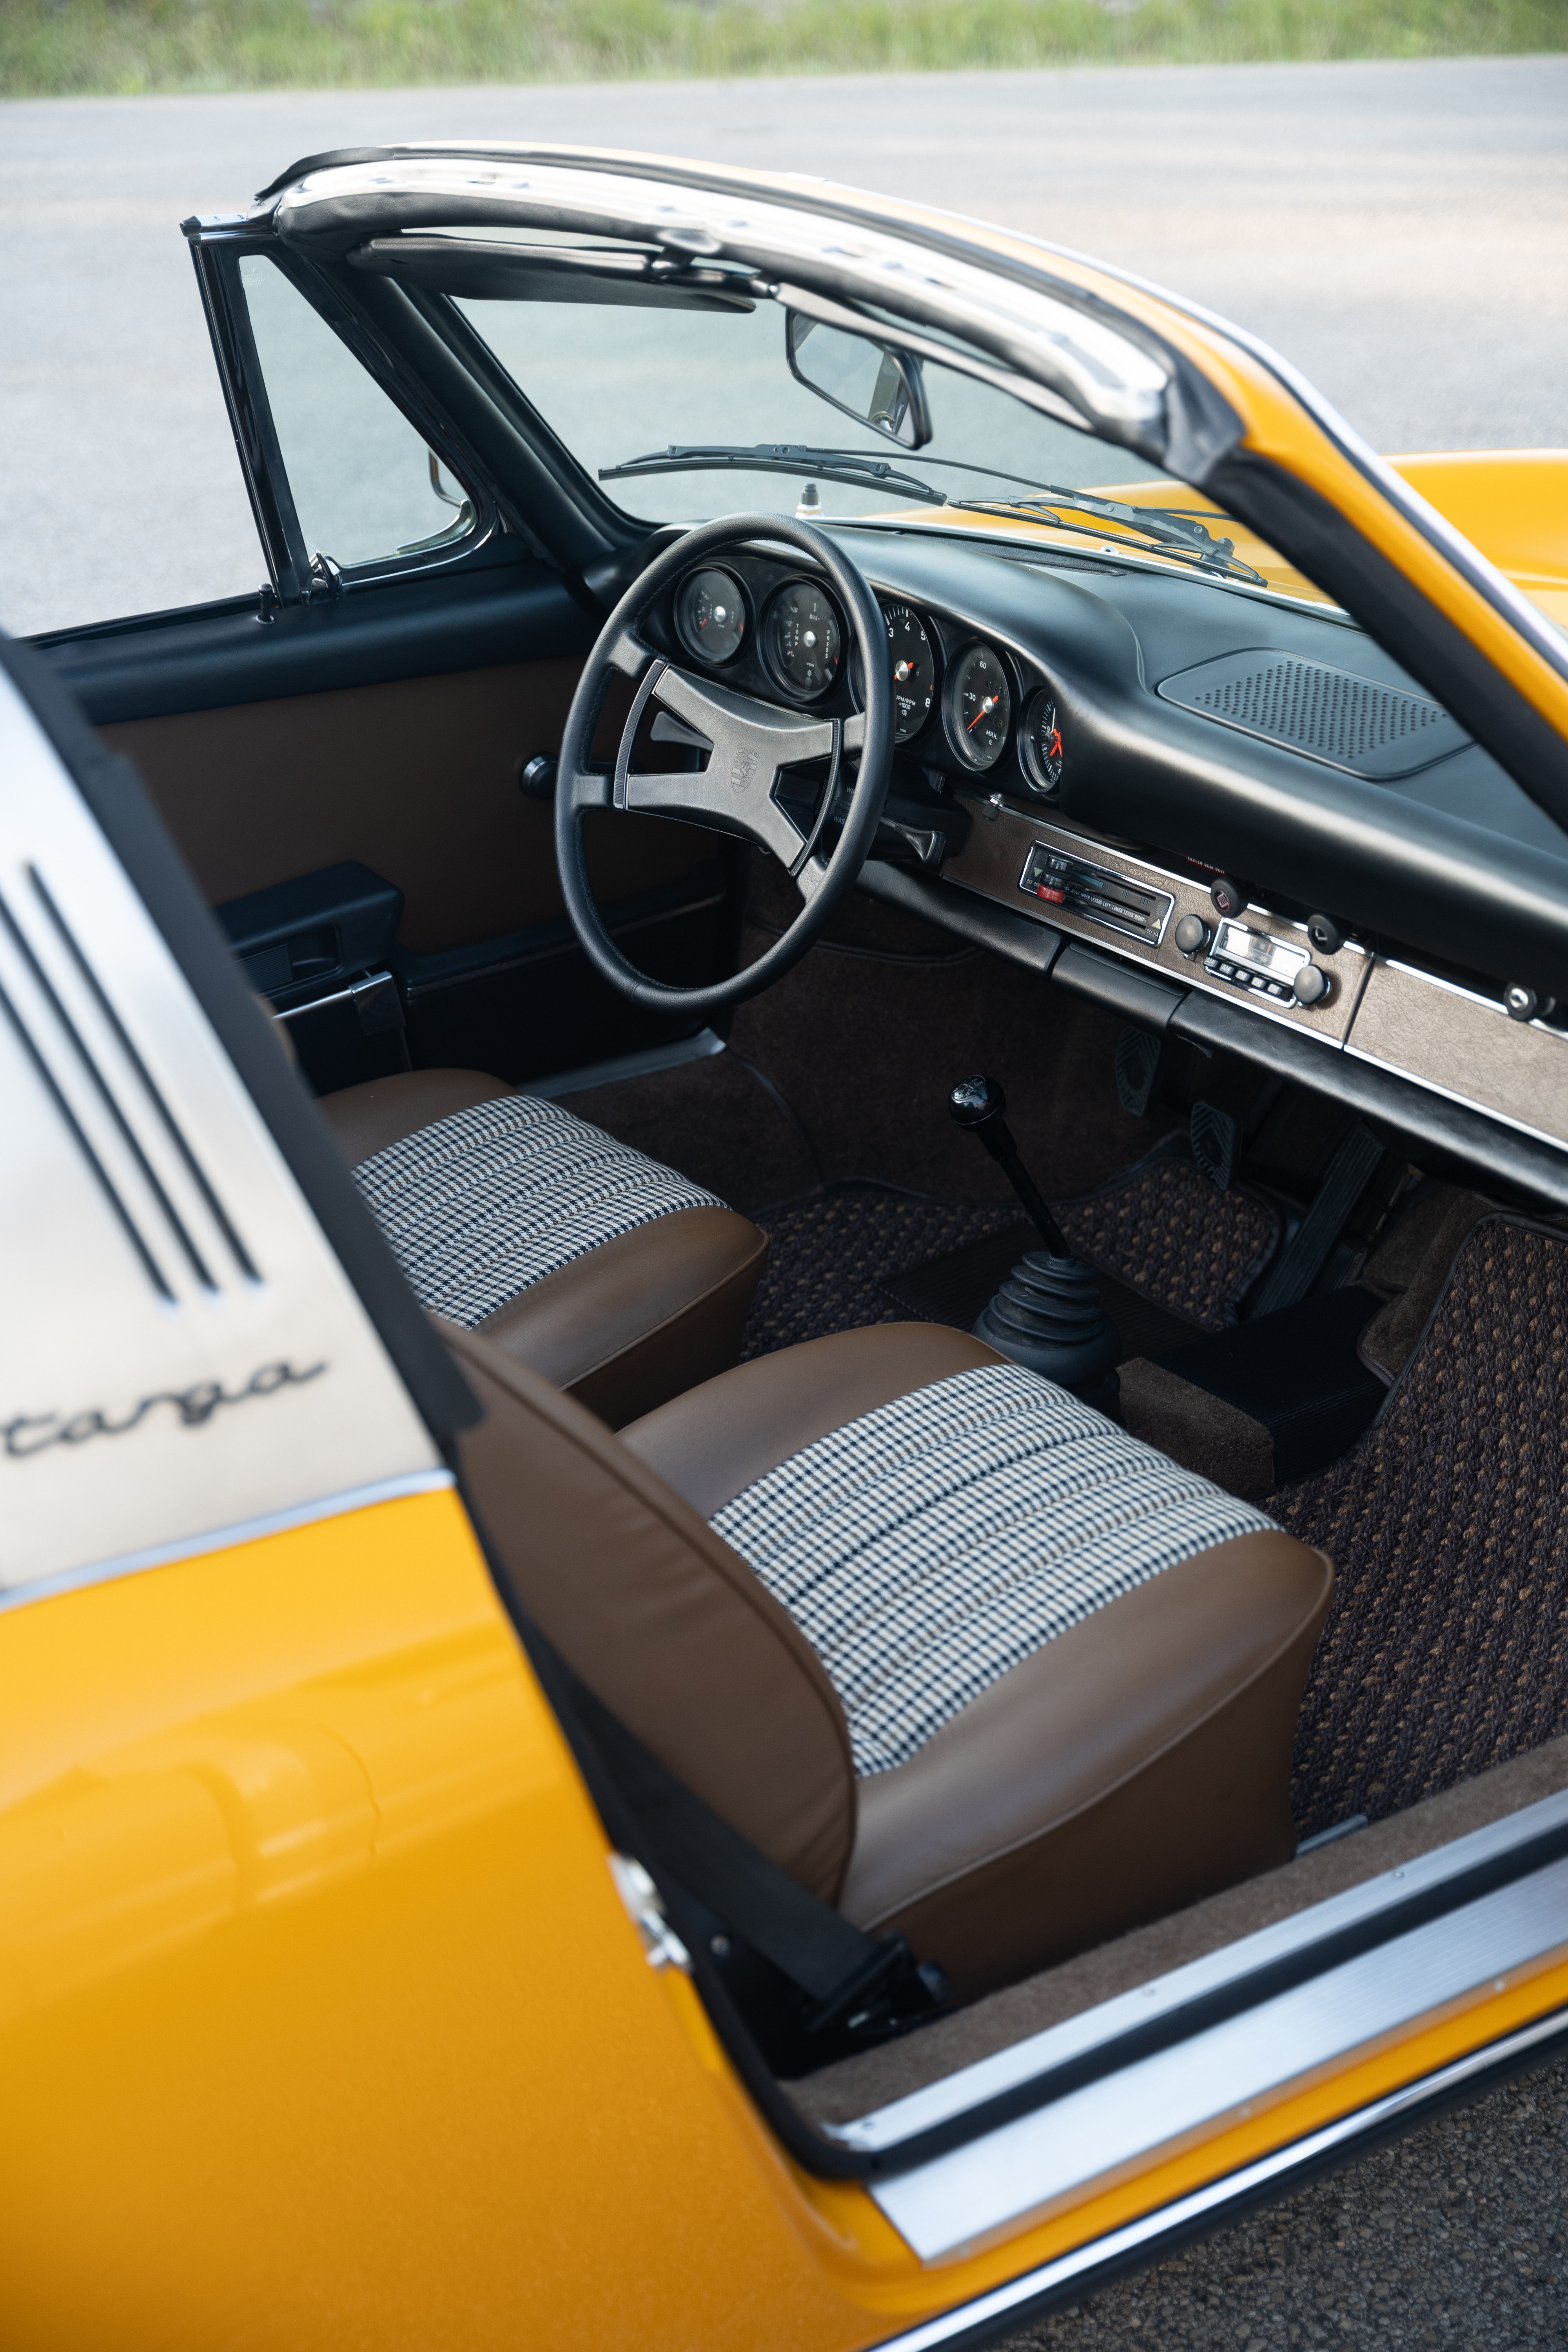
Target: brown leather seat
x,y
630,1317
1134,1758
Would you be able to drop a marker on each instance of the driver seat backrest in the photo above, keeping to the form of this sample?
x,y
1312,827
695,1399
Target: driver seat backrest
x,y
616,1277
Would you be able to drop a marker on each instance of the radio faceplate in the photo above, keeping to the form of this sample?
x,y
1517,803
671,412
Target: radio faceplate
x,y
1259,961
996,862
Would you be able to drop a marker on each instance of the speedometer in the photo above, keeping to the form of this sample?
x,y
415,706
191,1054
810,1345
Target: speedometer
x,y
912,657
978,707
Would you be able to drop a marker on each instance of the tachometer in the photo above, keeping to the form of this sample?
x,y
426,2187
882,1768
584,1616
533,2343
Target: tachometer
x,y
801,639
914,660
1040,742
710,615
978,707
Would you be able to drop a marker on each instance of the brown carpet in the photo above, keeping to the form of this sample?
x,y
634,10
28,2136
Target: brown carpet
x,y
829,1259
1165,1231
1447,1647
1178,1255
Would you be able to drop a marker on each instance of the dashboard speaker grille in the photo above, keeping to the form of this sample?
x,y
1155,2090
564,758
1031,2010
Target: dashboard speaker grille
x,y
1360,724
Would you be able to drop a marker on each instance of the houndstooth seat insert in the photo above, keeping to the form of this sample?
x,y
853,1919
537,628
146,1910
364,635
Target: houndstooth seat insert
x,y
933,1544
480,1206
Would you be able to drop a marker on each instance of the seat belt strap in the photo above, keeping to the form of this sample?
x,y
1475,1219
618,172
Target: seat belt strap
x,y
814,1945
849,1987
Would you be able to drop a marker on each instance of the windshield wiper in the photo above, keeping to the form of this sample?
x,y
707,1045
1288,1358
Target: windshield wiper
x,y
778,457
1173,533
1179,534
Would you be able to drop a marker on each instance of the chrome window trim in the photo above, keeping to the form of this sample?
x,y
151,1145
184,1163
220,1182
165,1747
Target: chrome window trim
x,y
943,233
1115,380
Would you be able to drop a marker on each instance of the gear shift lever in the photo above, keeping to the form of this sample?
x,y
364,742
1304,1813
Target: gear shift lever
x,y
1048,1314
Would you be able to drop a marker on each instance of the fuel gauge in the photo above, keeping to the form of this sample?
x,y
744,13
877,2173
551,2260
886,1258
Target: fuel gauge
x,y
711,615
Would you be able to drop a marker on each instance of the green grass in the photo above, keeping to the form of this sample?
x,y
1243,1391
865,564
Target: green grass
x,y
62,48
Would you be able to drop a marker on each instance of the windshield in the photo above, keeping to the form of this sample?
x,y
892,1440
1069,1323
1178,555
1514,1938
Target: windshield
x,y
661,406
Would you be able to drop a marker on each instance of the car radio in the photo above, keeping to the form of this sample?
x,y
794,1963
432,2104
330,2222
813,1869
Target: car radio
x,y
1264,965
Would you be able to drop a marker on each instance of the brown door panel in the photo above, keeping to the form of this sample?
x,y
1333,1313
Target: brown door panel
x,y
417,778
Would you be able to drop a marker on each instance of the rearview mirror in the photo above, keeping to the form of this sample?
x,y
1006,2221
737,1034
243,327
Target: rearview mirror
x,y
876,386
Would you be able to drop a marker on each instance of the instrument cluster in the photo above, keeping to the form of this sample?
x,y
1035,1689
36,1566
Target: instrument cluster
x,y
959,702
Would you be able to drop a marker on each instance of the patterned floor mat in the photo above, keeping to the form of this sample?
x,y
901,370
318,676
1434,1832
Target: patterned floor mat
x,y
1447,1647
829,1259
1163,1229
1182,1255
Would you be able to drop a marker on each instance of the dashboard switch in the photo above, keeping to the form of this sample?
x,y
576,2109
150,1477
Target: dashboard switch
x,y
1099,892
1310,984
1325,934
1191,935
1228,895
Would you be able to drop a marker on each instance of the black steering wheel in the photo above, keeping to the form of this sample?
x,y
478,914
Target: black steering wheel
x,y
752,742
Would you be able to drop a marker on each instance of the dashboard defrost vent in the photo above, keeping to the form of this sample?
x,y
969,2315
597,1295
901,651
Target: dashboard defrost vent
x,y
1359,724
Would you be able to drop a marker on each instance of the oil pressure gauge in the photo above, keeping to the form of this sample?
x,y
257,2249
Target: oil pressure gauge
x,y
801,638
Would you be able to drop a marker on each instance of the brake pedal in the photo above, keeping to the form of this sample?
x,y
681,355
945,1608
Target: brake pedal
x,y
1216,1142
1139,1059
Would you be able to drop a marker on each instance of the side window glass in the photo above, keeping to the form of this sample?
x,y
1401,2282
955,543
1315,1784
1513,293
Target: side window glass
x,y
364,486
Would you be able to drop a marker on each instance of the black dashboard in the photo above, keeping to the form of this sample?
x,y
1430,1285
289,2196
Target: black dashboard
x,y
967,704
1240,796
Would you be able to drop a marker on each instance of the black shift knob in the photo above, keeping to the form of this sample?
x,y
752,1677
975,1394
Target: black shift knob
x,y
973,1100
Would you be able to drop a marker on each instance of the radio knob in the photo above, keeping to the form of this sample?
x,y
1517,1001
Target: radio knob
x,y
1191,935
1310,984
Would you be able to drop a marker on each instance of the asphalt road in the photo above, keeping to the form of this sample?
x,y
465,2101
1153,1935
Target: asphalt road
x,y
1397,230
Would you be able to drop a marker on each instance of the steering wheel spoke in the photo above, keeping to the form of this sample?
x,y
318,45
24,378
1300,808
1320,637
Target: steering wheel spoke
x,y
749,744
583,788
738,722
627,652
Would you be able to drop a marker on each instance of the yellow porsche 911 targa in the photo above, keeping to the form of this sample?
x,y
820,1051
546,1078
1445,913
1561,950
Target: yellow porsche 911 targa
x,y
784,1510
